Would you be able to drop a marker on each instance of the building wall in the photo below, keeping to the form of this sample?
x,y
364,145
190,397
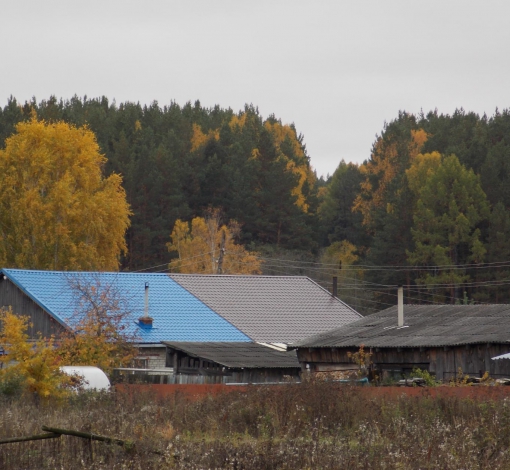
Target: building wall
x,y
196,370
42,322
251,376
444,363
151,358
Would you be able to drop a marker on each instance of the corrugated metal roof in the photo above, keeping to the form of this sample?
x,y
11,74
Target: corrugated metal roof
x,y
238,355
425,326
177,314
270,309
503,356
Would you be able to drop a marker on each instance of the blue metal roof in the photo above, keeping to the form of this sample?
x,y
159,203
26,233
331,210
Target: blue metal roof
x,y
177,314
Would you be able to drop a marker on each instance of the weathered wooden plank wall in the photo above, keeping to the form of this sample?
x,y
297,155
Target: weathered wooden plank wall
x,y
245,376
42,322
443,362
195,370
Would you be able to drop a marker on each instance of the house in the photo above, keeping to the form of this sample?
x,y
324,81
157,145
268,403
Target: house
x,y
54,301
230,362
177,308
441,339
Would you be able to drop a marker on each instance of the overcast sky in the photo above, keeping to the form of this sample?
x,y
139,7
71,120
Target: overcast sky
x,y
338,70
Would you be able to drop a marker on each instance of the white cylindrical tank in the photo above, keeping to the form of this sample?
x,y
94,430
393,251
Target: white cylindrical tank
x,y
93,378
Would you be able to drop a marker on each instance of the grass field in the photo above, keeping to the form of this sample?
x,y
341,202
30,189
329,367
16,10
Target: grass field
x,y
309,426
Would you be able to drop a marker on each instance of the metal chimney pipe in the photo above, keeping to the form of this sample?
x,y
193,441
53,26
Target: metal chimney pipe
x,y
400,306
146,311
335,286
145,321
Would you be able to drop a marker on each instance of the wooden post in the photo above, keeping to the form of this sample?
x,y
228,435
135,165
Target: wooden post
x,y
222,252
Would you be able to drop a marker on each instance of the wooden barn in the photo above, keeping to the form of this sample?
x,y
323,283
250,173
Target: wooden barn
x,y
230,362
441,339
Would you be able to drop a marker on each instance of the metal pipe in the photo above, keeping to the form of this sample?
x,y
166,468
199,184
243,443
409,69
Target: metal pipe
x,y
400,306
146,311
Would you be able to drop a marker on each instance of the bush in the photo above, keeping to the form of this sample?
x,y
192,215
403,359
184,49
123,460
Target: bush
x,y
12,384
430,380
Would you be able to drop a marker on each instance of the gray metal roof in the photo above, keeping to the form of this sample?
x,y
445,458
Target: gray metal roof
x,y
503,356
238,354
425,326
270,309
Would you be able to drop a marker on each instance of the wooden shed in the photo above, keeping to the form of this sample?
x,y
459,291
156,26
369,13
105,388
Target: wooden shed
x,y
230,362
441,339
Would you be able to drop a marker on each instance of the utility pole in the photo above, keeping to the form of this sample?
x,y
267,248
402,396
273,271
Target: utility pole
x,y
222,252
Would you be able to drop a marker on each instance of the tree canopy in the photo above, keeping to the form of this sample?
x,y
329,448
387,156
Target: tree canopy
x,y
451,205
209,247
179,161
57,210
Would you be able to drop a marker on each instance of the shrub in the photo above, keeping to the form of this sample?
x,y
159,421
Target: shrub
x,y
430,380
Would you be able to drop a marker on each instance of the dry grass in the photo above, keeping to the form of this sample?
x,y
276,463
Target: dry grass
x,y
312,425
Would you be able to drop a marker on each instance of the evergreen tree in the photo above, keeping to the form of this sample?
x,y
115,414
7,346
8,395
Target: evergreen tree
x,y
337,219
498,250
451,205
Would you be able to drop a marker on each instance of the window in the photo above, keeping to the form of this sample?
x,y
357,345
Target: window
x,y
141,363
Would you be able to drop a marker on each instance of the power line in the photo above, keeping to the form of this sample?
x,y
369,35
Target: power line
x,y
361,284
503,282
424,287
366,267
297,264
166,264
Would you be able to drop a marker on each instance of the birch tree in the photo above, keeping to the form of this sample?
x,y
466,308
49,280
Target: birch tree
x,y
57,210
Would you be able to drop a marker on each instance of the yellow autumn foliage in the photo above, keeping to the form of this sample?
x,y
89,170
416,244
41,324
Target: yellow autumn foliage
x,y
343,253
36,363
384,167
237,121
90,346
198,139
199,247
299,165
423,166
57,210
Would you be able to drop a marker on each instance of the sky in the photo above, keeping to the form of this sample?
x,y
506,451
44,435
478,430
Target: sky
x,y
337,70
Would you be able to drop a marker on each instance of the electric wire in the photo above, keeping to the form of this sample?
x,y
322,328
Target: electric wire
x,y
281,267
166,264
366,267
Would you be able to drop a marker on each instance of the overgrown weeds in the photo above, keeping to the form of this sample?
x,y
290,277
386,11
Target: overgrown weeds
x,y
308,425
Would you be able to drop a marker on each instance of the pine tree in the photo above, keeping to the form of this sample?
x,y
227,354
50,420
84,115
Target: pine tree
x,y
451,205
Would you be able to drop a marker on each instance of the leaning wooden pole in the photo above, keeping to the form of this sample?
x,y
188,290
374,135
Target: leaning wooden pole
x,y
89,435
35,437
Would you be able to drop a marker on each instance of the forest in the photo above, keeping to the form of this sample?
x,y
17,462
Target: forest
x,y
427,209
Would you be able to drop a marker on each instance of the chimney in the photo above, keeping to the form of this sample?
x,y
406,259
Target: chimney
x,y
400,306
146,321
335,286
